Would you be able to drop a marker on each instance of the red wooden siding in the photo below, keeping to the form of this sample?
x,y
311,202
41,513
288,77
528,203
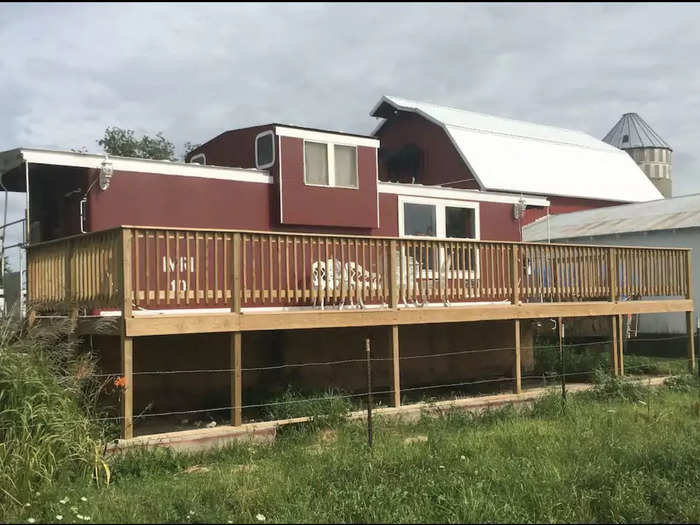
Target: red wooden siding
x,y
147,199
326,206
441,162
235,148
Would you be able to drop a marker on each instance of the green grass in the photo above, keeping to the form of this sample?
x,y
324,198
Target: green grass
x,y
620,453
46,400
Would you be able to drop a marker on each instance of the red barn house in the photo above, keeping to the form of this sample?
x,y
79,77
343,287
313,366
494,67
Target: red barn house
x,y
277,245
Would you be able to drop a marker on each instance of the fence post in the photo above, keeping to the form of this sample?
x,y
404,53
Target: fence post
x,y
369,393
394,282
560,325
515,273
127,344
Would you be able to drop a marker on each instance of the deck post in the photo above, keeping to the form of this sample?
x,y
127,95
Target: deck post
x,y
127,343
237,383
236,337
396,364
620,346
127,405
517,389
613,346
515,273
394,283
689,316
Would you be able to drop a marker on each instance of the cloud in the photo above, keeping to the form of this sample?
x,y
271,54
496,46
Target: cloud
x,y
193,71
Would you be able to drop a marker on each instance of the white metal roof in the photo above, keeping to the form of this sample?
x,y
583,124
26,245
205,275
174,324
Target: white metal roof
x,y
11,159
515,156
663,214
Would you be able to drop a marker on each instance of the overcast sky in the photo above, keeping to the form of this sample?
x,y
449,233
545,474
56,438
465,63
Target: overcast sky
x,y
193,71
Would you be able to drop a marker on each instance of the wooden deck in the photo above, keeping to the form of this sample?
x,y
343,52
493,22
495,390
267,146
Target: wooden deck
x,y
159,281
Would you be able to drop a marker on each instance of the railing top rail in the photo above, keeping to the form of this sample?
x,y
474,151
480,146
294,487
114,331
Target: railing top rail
x,y
347,236
76,236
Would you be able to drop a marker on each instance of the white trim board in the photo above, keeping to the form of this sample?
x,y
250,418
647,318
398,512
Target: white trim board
x,y
438,192
11,159
321,136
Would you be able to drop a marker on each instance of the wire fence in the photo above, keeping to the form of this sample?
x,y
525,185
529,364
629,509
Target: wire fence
x,y
548,376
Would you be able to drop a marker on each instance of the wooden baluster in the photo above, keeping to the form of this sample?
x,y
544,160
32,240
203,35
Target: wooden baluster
x,y
271,267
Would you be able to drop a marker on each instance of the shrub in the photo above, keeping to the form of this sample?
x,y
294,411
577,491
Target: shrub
x,y
45,396
325,408
682,383
608,388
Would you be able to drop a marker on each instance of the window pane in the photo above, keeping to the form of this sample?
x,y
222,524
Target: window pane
x,y
345,166
315,163
419,219
264,149
459,222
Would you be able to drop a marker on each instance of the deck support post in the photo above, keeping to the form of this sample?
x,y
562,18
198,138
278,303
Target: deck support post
x,y
127,405
517,388
613,345
127,343
620,346
689,318
236,383
236,337
396,364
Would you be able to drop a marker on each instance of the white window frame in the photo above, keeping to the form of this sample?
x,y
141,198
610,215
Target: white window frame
x,y
440,232
258,136
440,221
197,156
330,154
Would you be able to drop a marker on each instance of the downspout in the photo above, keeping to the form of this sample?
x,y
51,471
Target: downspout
x,y
549,240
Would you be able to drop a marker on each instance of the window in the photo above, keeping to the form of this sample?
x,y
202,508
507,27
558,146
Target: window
x,y
330,165
264,150
199,158
419,220
425,217
316,163
345,166
625,138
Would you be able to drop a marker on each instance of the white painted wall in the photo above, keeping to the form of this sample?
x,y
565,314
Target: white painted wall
x,y
685,238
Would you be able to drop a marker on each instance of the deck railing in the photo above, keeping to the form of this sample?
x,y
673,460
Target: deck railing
x,y
183,268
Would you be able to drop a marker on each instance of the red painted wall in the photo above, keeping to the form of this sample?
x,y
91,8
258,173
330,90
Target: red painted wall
x,y
564,205
147,199
235,148
441,162
325,206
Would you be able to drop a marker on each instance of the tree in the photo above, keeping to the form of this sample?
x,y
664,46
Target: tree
x,y
189,147
123,143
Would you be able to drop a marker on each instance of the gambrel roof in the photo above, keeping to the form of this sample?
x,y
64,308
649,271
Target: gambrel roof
x,y
522,157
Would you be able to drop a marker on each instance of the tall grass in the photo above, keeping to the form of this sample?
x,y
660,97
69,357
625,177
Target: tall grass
x,y
46,400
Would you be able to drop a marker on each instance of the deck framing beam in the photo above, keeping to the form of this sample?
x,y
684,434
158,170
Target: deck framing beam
x,y
291,320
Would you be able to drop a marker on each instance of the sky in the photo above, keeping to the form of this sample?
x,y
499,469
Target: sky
x,y
193,71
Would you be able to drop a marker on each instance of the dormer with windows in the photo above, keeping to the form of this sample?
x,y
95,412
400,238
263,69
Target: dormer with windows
x,y
322,178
